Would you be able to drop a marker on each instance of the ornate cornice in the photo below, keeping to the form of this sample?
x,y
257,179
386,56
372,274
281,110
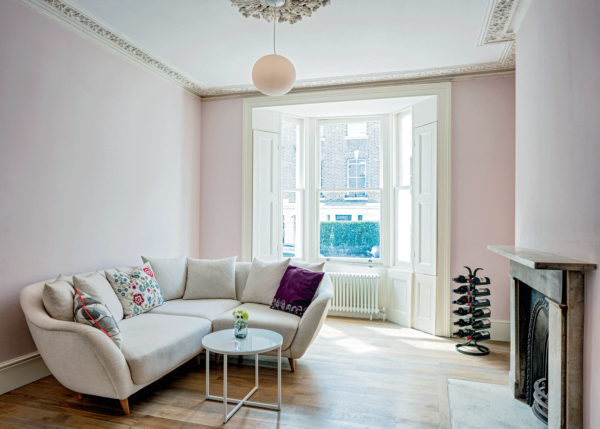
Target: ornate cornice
x,y
291,11
99,32
495,30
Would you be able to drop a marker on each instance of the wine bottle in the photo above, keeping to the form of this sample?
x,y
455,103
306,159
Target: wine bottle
x,y
463,333
462,289
480,312
461,279
479,336
462,311
481,324
479,292
465,321
462,300
480,280
479,303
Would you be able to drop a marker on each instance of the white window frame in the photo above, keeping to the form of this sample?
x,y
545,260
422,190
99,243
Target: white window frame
x,y
300,180
442,90
314,147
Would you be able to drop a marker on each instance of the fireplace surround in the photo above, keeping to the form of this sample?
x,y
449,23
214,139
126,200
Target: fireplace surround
x,y
547,303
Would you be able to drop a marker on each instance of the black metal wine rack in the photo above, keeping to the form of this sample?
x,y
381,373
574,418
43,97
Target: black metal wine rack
x,y
474,312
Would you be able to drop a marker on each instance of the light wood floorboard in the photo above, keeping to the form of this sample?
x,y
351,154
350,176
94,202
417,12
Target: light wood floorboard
x,y
358,374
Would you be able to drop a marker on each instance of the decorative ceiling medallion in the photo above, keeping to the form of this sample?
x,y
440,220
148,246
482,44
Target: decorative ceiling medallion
x,y
292,11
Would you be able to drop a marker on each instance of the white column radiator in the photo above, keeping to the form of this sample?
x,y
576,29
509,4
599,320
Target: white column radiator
x,y
356,293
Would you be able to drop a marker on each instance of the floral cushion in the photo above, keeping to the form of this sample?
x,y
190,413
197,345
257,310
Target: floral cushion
x,y
90,311
137,291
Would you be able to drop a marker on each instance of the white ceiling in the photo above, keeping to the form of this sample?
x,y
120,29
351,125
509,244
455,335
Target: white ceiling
x,y
216,45
348,108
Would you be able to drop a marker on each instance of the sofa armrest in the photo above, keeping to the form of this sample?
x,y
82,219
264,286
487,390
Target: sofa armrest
x,y
81,357
313,319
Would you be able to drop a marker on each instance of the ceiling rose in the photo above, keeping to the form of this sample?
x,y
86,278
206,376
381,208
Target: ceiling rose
x,y
292,11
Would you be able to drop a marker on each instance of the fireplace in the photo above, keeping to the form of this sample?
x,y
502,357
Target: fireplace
x,y
546,359
536,359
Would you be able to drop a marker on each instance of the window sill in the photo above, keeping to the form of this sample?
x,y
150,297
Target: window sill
x,y
357,137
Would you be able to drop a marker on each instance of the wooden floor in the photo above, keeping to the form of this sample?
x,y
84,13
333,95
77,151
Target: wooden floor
x,y
357,374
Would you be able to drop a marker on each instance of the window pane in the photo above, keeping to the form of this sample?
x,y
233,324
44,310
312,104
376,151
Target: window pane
x,y
350,228
350,163
289,155
292,224
406,151
404,226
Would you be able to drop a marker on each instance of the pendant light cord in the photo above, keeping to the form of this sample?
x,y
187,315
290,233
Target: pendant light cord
x,y
274,27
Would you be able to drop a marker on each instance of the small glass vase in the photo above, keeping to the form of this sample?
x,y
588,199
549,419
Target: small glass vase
x,y
241,329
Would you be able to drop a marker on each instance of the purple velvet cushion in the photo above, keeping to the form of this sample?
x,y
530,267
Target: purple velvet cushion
x,y
296,290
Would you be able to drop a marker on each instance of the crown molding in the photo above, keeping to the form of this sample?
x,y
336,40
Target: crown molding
x,y
102,34
496,28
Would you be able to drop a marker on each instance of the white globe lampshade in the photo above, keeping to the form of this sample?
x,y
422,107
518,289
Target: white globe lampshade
x,y
274,75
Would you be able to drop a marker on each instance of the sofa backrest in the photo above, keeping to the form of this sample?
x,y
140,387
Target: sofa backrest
x,y
242,269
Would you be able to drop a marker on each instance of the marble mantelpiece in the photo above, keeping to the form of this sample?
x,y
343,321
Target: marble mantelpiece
x,y
561,280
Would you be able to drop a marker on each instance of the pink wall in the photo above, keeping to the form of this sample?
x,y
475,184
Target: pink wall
x,y
558,151
99,162
483,181
221,178
483,157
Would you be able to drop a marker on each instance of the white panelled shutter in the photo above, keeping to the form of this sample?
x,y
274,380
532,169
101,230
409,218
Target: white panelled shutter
x,y
400,287
425,226
266,191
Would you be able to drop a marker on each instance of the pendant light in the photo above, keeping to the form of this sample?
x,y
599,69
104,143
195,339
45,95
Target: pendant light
x,y
274,74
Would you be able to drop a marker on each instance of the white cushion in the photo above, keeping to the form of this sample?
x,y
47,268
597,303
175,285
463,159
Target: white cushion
x,y
262,317
316,267
263,281
96,286
204,308
155,344
58,298
210,279
171,275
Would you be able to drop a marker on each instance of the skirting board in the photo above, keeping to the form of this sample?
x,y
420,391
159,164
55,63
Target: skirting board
x,y
23,370
500,330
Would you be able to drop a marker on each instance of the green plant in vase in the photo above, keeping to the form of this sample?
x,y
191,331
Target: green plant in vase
x,y
241,324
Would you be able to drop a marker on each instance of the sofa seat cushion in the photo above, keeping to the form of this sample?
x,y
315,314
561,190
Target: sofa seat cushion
x,y
204,308
155,344
262,317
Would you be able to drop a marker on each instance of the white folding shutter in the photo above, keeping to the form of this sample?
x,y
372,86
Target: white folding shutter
x,y
400,287
266,187
424,303
425,198
425,227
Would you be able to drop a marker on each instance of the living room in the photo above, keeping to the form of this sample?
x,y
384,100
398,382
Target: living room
x,y
214,218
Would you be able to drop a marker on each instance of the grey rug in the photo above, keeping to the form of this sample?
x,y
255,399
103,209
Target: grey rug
x,y
476,405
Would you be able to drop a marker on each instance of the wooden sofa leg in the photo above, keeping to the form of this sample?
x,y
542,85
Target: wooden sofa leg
x,y
292,364
198,359
125,405
217,357
79,396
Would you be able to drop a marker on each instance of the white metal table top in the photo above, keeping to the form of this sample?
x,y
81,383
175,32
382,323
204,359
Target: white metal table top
x,y
257,341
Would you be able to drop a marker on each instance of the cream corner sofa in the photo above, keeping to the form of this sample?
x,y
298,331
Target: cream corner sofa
x,y
85,360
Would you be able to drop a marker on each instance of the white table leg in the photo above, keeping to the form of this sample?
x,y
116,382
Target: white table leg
x,y
224,388
244,401
278,377
207,373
